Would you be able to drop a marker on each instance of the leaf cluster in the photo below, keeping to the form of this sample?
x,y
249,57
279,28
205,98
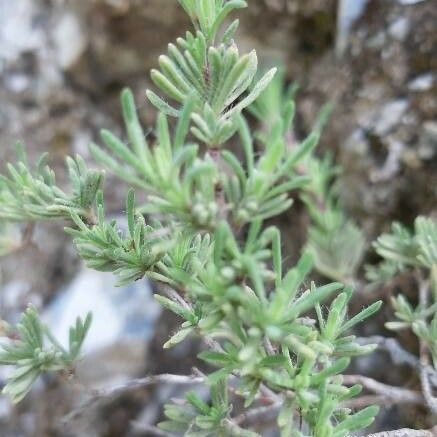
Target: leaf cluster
x,y
307,351
201,232
401,250
214,77
336,242
27,195
25,348
182,182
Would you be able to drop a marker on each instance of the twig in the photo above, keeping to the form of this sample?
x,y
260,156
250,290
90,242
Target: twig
x,y
431,400
387,392
215,155
405,432
258,415
398,354
107,394
366,400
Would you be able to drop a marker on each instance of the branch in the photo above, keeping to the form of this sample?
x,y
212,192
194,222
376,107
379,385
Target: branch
x,y
405,432
387,393
431,400
398,354
366,400
107,394
258,415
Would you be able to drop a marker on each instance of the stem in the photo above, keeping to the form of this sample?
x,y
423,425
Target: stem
x,y
431,400
405,432
387,392
104,395
215,155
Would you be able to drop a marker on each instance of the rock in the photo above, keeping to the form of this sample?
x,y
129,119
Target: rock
x,y
391,165
357,143
69,39
5,407
19,29
389,116
15,296
428,141
119,313
349,11
424,82
409,2
123,322
399,29
17,83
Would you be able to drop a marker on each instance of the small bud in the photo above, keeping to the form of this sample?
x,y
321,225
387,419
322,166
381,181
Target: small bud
x,y
242,216
254,332
200,213
252,206
228,273
213,208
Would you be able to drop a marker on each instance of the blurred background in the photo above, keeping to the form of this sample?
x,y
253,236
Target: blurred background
x,y
62,66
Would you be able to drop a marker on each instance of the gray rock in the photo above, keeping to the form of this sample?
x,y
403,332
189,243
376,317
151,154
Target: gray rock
x,y
14,296
389,116
428,141
356,143
399,29
70,40
409,2
123,322
17,83
5,408
18,31
424,82
119,313
349,11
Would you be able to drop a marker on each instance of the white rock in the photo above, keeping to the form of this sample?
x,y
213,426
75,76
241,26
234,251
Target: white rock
x,y
423,82
17,83
18,32
5,407
15,295
69,39
389,116
348,13
409,2
399,29
119,313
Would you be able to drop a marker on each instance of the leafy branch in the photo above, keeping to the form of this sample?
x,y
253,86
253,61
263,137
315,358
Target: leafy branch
x,y
25,347
201,233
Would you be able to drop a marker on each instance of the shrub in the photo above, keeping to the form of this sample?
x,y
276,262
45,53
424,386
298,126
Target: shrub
x,y
202,233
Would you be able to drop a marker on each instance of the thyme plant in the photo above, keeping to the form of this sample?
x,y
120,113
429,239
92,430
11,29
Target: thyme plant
x,y
335,242
201,233
403,250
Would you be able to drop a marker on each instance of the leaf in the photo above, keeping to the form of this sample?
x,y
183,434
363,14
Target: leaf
x,y
363,315
178,337
254,94
308,300
162,106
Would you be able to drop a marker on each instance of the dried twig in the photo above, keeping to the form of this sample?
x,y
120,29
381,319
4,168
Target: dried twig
x,y
258,415
366,400
431,400
107,394
399,355
386,392
405,432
